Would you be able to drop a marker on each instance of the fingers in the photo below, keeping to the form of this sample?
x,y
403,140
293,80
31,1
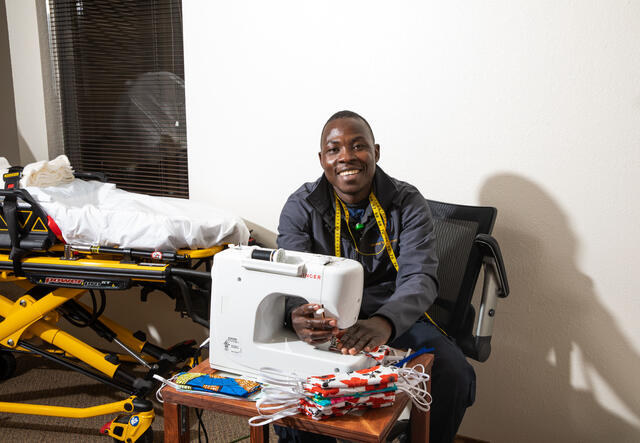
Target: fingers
x,y
315,337
318,341
365,334
355,344
314,324
310,327
307,310
357,338
348,338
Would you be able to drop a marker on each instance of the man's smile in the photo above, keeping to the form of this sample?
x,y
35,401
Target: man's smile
x,y
349,172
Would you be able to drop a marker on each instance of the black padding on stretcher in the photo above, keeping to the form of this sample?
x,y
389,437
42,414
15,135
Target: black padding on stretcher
x,y
11,220
23,224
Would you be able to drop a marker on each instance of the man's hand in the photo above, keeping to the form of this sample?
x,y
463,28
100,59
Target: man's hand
x,y
365,334
311,328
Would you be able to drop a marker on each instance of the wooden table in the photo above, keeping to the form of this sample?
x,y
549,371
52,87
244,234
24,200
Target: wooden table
x,y
372,426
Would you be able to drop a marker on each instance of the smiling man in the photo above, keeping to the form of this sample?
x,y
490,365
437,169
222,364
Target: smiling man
x,y
356,210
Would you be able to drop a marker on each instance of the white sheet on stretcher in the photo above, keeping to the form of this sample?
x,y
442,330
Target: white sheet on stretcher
x,y
95,213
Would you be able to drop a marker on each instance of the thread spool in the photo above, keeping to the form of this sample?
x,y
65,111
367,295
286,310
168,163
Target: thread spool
x,y
274,255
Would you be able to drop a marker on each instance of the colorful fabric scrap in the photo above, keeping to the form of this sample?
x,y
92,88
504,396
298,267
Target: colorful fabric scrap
x,y
214,383
325,401
327,405
316,413
362,378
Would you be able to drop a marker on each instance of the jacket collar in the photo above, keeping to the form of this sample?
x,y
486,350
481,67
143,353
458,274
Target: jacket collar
x,y
321,195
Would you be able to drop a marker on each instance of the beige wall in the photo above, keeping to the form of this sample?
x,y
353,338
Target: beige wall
x,y
28,82
9,147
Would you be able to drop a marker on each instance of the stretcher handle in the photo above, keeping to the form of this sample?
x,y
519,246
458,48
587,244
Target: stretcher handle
x,y
10,214
190,274
133,253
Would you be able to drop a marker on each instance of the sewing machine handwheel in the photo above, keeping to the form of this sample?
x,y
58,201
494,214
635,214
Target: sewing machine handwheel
x,y
7,365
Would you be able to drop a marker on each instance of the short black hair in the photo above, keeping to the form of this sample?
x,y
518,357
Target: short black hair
x,y
346,114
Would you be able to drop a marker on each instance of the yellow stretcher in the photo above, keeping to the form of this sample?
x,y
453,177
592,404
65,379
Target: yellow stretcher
x,y
54,276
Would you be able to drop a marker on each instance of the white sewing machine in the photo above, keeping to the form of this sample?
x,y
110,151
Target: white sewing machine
x,y
248,292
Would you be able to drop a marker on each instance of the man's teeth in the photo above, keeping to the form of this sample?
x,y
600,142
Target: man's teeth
x,y
350,172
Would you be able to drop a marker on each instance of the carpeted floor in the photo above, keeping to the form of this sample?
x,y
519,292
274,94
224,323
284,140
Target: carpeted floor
x,y
42,382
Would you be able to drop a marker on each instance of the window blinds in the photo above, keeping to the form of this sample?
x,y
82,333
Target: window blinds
x,y
118,66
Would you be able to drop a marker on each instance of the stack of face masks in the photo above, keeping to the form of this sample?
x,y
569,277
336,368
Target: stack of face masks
x,y
337,394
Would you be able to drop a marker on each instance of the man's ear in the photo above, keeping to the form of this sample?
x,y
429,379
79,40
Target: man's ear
x,y
377,149
320,157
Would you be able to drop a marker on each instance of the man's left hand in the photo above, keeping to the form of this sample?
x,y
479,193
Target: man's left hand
x,y
365,334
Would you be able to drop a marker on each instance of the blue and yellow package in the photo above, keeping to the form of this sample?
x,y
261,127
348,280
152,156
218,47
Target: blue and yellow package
x,y
193,381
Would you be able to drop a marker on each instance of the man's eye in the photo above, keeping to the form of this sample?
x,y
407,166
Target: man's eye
x,y
359,147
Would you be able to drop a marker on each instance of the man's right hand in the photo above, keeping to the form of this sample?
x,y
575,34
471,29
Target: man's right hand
x,y
311,328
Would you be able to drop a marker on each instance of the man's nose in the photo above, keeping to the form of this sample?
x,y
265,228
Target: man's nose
x,y
346,154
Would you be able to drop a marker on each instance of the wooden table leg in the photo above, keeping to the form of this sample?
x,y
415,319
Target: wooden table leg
x,y
176,423
419,422
259,434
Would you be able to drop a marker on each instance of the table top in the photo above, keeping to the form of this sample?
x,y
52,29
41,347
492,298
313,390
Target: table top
x,y
369,426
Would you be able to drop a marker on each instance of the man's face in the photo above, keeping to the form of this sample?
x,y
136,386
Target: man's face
x,y
348,156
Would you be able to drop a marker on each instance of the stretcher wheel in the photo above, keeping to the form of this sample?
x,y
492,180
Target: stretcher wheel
x,y
7,365
147,437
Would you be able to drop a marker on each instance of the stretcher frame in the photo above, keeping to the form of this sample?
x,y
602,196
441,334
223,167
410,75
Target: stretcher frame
x,y
55,275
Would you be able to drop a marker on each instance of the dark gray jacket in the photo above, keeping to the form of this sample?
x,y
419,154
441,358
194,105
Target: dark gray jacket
x,y
307,224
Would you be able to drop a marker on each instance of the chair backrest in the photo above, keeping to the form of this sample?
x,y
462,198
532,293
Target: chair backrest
x,y
460,262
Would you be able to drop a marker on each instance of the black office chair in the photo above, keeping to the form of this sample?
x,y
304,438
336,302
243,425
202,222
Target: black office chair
x,y
464,246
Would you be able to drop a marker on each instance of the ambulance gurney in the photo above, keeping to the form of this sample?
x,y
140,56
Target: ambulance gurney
x,y
49,254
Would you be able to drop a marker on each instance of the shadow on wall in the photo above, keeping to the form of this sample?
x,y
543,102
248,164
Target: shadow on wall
x,y
553,331
26,154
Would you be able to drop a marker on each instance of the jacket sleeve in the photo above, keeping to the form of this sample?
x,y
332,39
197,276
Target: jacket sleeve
x,y
294,234
416,281
294,228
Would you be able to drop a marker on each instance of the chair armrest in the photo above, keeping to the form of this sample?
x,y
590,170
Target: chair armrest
x,y
495,286
490,248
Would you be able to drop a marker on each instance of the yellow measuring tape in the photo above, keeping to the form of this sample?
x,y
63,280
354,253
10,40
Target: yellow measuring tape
x,y
338,220
381,220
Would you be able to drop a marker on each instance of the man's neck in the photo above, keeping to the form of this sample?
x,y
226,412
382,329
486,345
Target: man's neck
x,y
354,199
360,205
